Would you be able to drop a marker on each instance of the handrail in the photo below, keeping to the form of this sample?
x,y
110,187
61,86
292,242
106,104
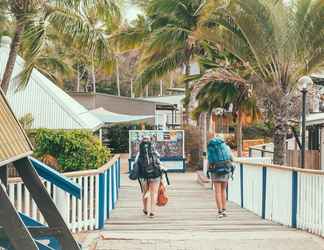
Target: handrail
x,y
56,178
90,172
281,167
260,149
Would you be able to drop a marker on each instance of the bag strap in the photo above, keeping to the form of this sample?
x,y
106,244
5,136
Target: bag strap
x,y
166,177
140,183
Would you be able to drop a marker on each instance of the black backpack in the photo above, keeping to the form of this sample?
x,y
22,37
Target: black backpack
x,y
148,162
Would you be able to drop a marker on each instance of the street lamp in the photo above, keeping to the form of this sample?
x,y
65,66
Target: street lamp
x,y
304,82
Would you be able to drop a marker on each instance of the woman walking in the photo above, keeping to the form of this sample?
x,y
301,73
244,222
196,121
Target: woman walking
x,y
150,172
220,169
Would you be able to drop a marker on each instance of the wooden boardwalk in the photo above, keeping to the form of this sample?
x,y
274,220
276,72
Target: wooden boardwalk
x,y
189,221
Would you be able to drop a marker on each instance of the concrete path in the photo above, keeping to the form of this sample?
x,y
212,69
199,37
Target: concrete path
x,y
189,222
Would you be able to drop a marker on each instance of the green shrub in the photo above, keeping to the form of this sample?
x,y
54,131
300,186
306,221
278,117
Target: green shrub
x,y
118,136
257,131
74,150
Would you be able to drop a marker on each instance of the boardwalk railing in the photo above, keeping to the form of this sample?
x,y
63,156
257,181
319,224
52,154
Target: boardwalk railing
x,y
99,196
290,196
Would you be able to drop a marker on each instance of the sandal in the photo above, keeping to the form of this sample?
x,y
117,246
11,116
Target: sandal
x,y
145,212
151,215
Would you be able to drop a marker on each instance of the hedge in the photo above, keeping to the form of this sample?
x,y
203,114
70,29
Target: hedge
x,y
74,150
118,136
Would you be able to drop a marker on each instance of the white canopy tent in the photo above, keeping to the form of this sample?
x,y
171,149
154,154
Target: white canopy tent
x,y
108,117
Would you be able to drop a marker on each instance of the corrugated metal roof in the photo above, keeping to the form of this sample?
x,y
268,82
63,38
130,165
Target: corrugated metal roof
x,y
14,143
49,105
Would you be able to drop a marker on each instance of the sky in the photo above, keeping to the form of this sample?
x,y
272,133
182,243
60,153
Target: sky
x,y
131,11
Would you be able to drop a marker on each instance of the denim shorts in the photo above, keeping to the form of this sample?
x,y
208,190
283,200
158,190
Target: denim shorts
x,y
220,178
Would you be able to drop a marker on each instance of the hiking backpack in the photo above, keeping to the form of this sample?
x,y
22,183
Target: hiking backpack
x,y
218,151
219,158
148,161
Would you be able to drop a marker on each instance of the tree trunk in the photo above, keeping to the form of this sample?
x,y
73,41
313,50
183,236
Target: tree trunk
x,y
132,91
208,117
239,139
187,91
161,87
280,131
12,57
117,77
78,79
146,91
204,125
93,77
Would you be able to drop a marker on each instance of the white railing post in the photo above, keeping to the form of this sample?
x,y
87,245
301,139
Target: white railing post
x,y
62,203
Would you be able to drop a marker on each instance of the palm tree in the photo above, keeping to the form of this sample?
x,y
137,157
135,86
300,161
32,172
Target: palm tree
x,y
279,41
4,19
222,89
33,18
169,45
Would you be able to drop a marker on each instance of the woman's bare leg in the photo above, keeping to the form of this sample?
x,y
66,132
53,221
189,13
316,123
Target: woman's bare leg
x,y
224,186
144,199
154,187
218,194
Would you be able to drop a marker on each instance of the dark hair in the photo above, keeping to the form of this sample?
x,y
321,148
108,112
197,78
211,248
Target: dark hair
x,y
146,147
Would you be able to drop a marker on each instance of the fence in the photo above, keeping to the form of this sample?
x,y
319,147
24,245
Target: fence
x,y
266,150
312,159
290,196
99,196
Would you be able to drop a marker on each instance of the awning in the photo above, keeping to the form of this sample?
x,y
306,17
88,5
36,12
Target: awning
x,y
111,117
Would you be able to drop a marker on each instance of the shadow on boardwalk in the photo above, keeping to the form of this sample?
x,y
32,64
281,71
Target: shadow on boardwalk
x,y
189,222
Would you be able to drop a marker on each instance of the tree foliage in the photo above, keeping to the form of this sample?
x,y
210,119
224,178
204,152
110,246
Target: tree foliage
x,y
74,150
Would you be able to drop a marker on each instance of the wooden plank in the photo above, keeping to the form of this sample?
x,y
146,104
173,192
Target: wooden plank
x,y
13,226
45,203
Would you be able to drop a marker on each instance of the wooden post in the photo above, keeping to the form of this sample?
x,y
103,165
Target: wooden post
x,y
45,204
13,226
4,175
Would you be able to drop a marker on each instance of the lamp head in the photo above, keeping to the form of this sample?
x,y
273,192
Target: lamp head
x,y
305,82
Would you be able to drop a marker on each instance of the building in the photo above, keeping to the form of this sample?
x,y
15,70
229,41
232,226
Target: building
x,y
125,105
48,104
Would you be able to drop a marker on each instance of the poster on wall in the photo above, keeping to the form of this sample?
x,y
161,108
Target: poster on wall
x,y
169,143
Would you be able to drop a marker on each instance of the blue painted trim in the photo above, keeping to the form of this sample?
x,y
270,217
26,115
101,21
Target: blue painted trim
x,y
108,192
294,195
113,185
165,159
41,246
242,185
264,191
56,178
117,180
182,170
118,173
101,205
30,222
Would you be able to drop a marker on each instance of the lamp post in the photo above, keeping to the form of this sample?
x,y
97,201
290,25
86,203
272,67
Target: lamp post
x,y
305,82
302,163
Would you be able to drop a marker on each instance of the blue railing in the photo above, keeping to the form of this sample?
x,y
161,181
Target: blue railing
x,y
286,195
85,198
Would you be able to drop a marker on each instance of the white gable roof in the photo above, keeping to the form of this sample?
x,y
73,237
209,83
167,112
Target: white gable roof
x,y
49,105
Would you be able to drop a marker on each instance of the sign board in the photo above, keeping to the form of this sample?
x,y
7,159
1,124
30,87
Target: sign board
x,y
168,143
